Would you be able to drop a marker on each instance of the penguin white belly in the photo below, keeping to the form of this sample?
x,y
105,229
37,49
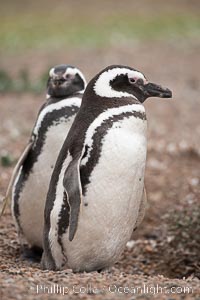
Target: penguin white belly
x,y
113,198
33,195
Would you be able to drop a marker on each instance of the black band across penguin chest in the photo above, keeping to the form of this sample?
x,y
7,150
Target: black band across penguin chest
x,y
97,142
51,118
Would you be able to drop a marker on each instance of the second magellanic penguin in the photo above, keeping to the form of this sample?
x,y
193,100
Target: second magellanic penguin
x,y
64,94
97,185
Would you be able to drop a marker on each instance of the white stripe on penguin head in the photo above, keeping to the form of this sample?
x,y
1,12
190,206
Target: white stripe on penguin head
x,y
103,88
74,71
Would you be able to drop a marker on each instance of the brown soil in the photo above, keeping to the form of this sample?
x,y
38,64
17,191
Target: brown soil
x,y
165,250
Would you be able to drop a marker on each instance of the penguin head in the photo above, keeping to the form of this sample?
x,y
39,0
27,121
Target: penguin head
x,y
120,81
65,80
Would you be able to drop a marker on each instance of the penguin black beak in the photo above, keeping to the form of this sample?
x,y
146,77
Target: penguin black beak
x,y
58,82
154,90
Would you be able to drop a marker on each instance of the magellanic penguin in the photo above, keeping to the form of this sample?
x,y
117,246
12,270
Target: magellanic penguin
x,y
31,177
97,185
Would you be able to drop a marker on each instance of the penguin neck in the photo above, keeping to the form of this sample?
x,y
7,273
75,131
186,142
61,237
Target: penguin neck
x,y
98,103
52,100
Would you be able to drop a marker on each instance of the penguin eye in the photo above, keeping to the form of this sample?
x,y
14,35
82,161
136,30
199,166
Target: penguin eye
x,y
67,76
132,80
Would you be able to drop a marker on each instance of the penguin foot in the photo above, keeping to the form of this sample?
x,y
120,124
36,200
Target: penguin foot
x,y
32,254
47,263
105,270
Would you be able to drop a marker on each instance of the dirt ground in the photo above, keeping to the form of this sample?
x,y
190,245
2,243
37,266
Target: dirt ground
x,y
165,250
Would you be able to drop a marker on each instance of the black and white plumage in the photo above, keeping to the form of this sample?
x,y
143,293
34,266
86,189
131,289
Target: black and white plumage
x,y
96,195
64,94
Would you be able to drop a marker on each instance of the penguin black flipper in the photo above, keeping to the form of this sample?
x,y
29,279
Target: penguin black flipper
x,y
73,189
15,173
